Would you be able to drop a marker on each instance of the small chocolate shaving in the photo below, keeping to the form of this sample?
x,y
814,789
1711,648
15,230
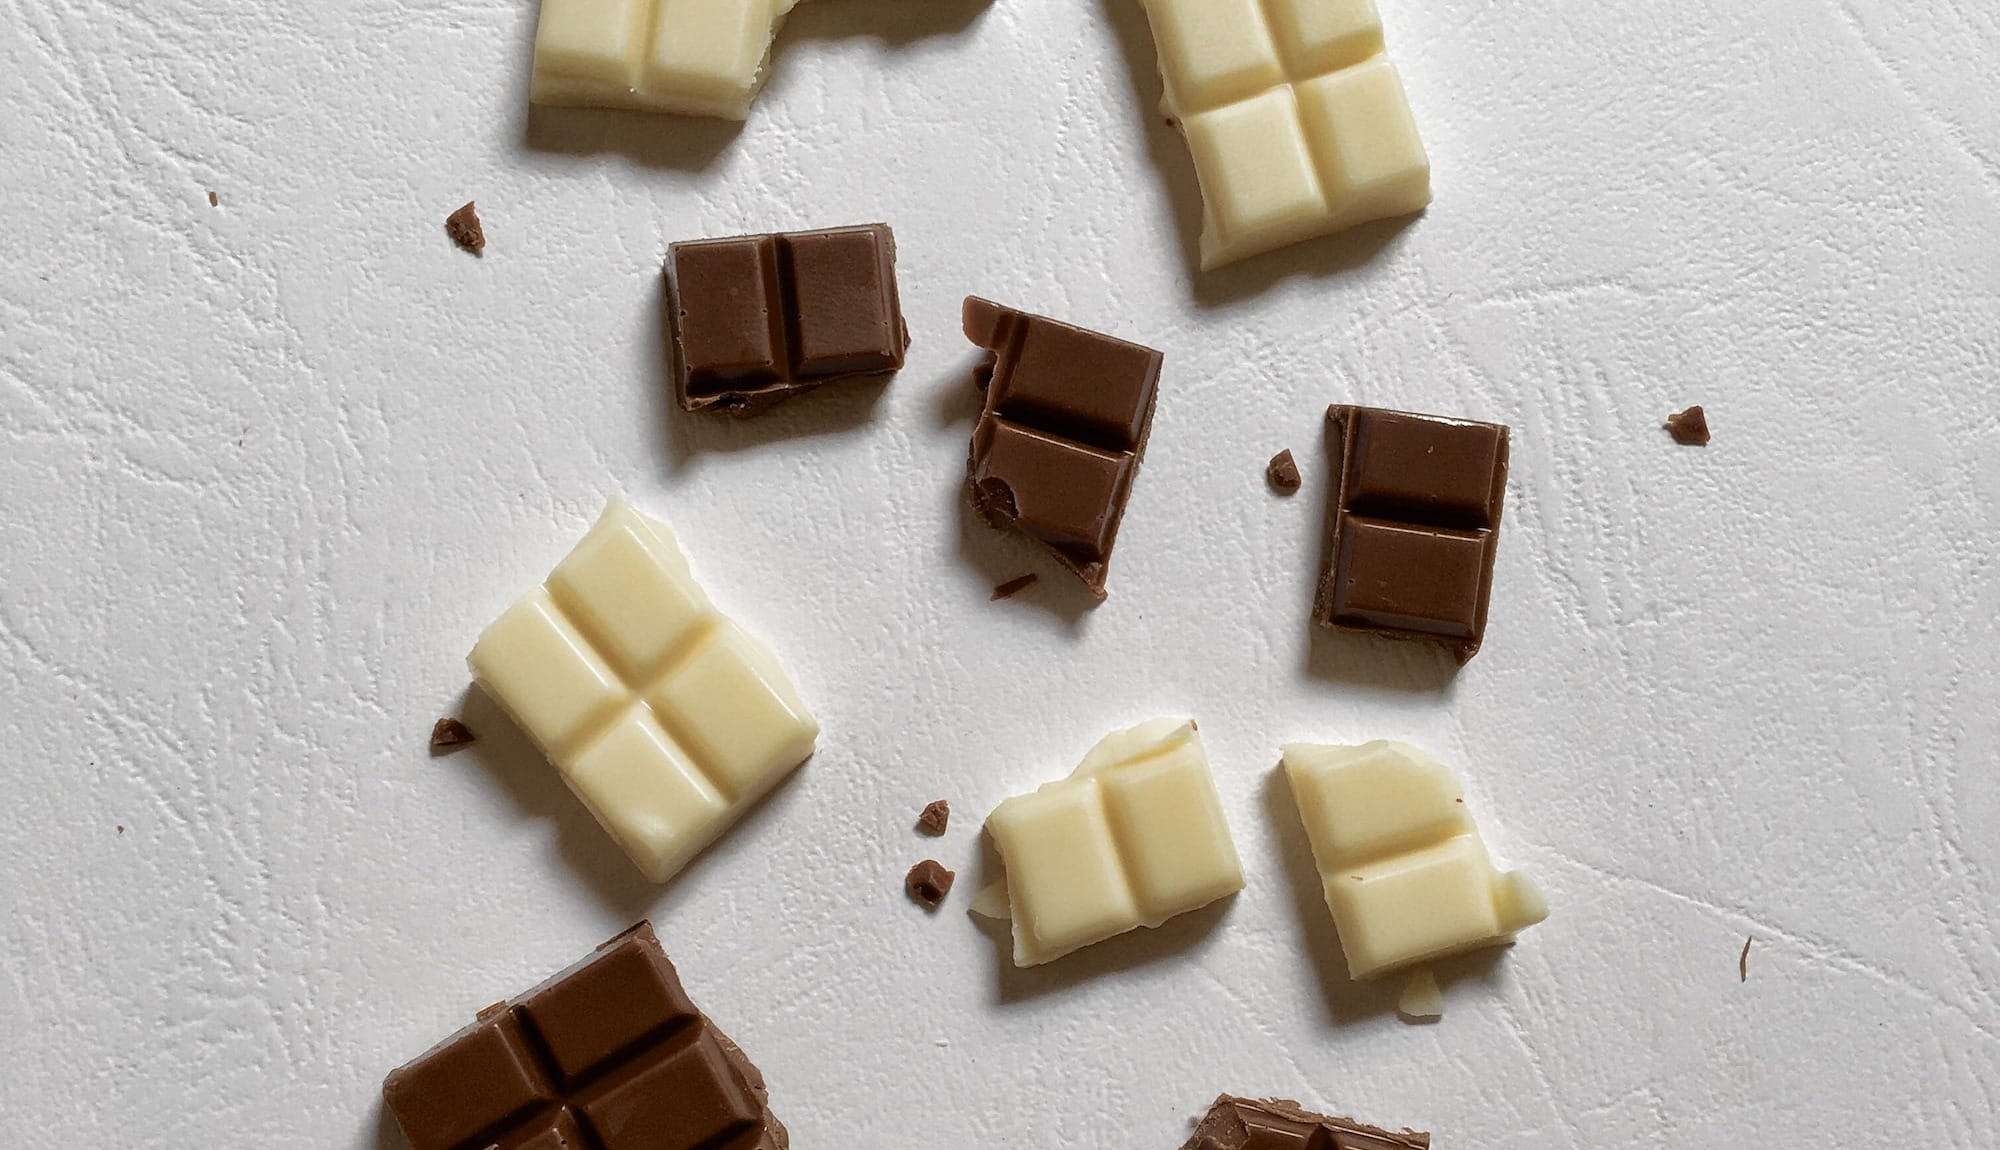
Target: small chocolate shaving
x,y
936,816
928,882
1689,428
450,733
214,200
465,231
1015,586
1743,960
1283,472
121,830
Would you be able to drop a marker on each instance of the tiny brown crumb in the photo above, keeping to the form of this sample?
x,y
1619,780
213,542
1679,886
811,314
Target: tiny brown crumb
x,y
1015,586
464,229
121,830
450,733
928,882
1689,428
1743,961
935,818
214,200
1283,472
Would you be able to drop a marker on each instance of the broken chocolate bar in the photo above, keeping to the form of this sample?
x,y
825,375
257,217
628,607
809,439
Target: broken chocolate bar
x,y
1277,1124
1413,526
759,319
1066,416
610,1053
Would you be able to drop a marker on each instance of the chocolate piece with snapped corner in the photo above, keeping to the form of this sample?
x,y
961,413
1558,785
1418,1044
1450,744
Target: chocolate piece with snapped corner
x,y
1276,1124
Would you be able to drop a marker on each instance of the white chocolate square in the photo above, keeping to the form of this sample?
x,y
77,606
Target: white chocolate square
x,y
1405,872
665,718
1298,123
695,57
1132,838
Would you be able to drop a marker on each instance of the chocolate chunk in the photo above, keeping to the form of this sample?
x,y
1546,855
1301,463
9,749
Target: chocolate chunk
x,y
1277,1124
1015,586
928,882
1283,472
610,1053
1689,428
1066,416
450,733
935,818
464,229
1413,526
759,319
214,200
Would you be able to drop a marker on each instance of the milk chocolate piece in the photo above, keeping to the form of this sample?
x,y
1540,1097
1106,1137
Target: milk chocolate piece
x,y
929,882
936,816
1283,472
1413,527
1066,416
759,319
464,229
608,1054
1689,428
449,733
1277,1124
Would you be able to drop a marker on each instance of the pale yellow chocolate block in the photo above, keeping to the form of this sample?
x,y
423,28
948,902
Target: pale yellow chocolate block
x,y
695,57
1297,121
664,717
1405,872
1133,837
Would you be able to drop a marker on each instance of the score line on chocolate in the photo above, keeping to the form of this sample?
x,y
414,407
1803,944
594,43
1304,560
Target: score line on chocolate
x,y
693,57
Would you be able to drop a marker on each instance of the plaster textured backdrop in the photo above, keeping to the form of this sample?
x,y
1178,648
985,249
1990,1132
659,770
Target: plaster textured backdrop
x,y
269,466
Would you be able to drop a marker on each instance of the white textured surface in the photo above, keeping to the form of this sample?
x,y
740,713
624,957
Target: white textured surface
x,y
269,467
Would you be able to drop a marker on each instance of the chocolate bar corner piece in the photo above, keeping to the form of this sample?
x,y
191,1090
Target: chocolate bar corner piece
x,y
758,319
1413,526
1276,1124
1065,420
609,1053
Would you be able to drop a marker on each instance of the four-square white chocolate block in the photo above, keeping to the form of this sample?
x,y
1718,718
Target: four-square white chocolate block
x,y
1405,872
1297,120
696,57
1132,838
665,718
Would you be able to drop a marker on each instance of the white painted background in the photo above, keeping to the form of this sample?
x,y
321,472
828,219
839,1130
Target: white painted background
x,y
268,467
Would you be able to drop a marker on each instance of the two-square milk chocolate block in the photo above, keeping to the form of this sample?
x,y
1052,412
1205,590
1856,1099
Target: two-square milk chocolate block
x,y
1297,120
1132,838
666,718
695,57
1405,872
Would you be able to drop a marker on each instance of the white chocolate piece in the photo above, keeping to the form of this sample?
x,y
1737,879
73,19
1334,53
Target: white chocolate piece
x,y
1421,997
1405,872
694,57
1297,121
1132,838
665,718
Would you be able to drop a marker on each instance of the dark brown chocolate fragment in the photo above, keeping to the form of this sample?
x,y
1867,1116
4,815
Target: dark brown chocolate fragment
x,y
464,228
759,319
928,882
1283,472
1276,1124
1015,586
1689,428
1413,526
936,817
1743,960
450,733
1066,416
608,1055
214,200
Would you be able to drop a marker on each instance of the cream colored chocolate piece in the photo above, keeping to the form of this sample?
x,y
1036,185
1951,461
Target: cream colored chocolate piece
x,y
665,718
1132,838
1297,120
1405,872
1421,997
695,57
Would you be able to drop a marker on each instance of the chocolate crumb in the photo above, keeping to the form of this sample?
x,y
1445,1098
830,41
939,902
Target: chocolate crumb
x,y
1743,961
464,229
121,830
935,818
1015,586
1689,428
1283,472
450,733
214,200
928,882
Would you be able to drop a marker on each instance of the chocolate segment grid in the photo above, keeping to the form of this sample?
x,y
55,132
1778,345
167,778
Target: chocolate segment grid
x,y
1275,1124
1066,416
608,1055
1414,525
758,319
694,57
